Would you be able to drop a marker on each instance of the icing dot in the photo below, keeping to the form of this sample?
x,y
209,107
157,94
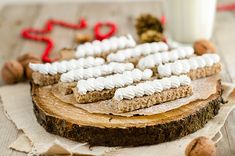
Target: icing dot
x,y
164,70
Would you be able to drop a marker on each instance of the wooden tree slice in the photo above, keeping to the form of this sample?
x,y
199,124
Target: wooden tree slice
x,y
76,124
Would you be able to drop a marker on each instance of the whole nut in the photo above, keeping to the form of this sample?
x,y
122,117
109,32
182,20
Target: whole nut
x,y
27,58
201,146
204,46
28,71
82,38
12,72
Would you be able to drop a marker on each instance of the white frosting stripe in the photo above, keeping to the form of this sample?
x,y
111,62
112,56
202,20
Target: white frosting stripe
x,y
113,81
139,50
65,66
184,66
111,44
151,61
93,72
151,87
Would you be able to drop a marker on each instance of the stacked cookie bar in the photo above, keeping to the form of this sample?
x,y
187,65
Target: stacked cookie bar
x,y
127,75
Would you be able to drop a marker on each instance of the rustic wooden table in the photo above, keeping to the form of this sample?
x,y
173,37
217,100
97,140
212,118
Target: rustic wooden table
x,y
15,17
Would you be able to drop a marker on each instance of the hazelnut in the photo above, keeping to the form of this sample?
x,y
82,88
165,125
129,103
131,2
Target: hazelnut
x,y
27,58
201,146
82,38
204,46
12,72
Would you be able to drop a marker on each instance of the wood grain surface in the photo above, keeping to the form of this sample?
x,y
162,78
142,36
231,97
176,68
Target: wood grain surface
x,y
15,17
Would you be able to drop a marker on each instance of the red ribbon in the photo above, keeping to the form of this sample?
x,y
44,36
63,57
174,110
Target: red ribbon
x,y
226,7
33,34
163,20
97,33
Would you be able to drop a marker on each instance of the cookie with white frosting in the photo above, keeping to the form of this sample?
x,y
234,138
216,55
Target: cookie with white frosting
x,y
134,54
195,67
154,60
49,73
97,71
150,93
103,48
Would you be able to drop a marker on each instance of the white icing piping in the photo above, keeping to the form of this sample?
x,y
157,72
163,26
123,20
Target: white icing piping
x,y
151,61
113,81
106,45
94,72
139,50
184,66
65,66
151,87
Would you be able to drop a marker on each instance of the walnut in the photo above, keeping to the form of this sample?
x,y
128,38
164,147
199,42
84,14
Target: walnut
x,y
204,46
151,36
82,38
12,72
25,59
201,146
28,71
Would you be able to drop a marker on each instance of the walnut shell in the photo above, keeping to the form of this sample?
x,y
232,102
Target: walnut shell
x,y
204,46
28,71
12,72
27,58
201,146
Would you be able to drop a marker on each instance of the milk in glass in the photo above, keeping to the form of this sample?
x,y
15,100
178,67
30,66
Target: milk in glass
x,y
189,20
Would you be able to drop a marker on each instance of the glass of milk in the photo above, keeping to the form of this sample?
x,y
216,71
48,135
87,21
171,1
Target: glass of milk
x,y
190,20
